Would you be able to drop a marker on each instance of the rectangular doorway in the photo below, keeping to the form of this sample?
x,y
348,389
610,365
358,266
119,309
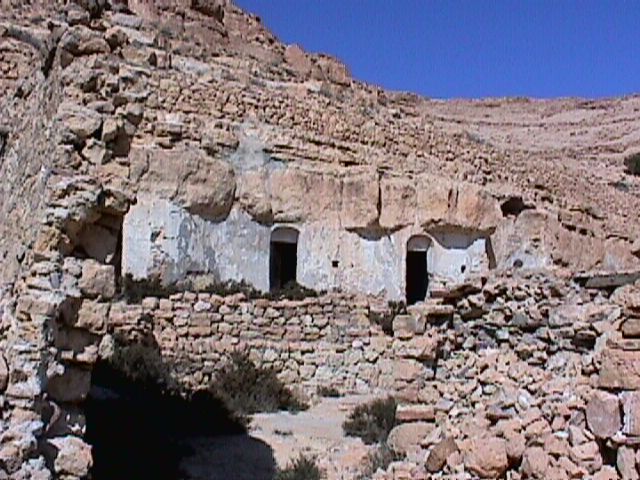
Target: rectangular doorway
x,y
416,279
283,264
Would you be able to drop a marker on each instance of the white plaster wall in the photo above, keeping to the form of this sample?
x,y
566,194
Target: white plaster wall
x,y
450,251
161,239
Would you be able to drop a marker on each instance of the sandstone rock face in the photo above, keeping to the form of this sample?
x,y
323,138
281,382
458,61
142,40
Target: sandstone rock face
x,y
203,185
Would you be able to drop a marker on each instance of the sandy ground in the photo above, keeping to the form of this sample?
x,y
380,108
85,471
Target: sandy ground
x,y
276,438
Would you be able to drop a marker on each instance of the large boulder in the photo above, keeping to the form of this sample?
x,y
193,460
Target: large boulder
x,y
78,122
407,436
487,457
203,185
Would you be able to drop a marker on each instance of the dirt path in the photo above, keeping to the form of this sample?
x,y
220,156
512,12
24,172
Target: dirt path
x,y
276,438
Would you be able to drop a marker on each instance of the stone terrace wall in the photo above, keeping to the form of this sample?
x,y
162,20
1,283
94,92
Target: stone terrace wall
x,y
325,341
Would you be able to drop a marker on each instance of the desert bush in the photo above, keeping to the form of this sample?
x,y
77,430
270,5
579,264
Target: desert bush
x,y
247,389
372,421
327,391
632,162
141,363
380,458
302,468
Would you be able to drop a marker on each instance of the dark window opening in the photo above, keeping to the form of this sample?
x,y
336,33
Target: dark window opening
x,y
335,264
463,268
283,264
514,206
416,280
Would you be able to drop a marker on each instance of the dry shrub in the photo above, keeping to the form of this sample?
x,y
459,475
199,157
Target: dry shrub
x,y
302,468
372,421
247,389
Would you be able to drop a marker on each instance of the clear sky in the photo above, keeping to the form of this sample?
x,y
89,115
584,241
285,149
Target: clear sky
x,y
471,48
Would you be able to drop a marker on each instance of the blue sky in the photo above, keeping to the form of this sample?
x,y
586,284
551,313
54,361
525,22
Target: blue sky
x,y
471,48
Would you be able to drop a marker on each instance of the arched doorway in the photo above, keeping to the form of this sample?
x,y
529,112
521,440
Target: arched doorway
x,y
283,257
416,279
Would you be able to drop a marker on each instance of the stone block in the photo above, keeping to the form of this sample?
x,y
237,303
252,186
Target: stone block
x,y
631,413
620,369
98,280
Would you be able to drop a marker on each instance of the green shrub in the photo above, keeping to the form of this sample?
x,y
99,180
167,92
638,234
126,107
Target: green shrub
x,y
380,458
302,468
247,389
372,421
632,162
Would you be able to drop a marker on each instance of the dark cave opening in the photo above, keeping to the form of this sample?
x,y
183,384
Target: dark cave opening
x,y
142,429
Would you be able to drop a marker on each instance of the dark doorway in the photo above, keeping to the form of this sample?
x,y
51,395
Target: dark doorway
x,y
416,280
283,264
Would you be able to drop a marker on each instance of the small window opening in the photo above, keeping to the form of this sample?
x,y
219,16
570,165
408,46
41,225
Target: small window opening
x,y
283,258
416,270
463,268
335,263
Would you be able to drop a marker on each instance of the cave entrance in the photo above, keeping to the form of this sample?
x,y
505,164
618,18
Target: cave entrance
x,y
283,259
141,424
416,280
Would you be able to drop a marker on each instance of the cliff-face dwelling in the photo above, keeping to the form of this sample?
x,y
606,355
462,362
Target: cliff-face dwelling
x,y
182,190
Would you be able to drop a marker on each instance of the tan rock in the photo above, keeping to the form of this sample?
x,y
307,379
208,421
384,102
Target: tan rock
x,y
78,122
93,316
587,455
603,414
298,60
360,194
440,453
606,473
413,413
408,436
80,40
432,201
620,369
201,184
487,457
73,456
515,444
97,280
398,202
535,463
631,413
626,463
